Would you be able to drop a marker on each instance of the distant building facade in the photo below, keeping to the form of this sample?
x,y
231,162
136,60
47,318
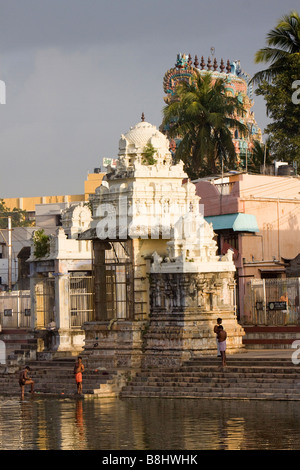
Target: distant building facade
x,y
258,218
44,212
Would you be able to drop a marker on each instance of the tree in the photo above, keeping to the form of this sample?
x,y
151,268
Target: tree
x,y
283,44
201,115
41,243
148,155
276,85
260,155
284,111
18,216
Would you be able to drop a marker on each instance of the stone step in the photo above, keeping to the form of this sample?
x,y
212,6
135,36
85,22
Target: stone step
x,y
57,378
243,378
274,382
220,379
7,381
210,392
163,386
231,360
204,393
218,395
230,372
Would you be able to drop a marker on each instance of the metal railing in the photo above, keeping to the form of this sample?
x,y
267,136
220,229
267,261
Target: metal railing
x,y
15,309
81,305
272,302
44,291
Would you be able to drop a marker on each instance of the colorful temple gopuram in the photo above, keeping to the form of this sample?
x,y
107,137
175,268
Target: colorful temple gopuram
x,y
237,83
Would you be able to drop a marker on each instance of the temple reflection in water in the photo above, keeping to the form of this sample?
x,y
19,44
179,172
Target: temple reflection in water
x,y
111,424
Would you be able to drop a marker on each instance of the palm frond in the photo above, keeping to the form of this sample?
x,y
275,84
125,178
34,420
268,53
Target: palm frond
x,y
282,42
201,114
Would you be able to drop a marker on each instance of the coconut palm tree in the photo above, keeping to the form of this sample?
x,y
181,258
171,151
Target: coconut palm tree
x,y
259,157
201,115
283,42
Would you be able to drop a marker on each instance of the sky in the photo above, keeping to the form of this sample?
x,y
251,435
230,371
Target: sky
x,y
79,73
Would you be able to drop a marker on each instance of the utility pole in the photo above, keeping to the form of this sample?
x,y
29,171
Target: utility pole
x,y
265,154
9,246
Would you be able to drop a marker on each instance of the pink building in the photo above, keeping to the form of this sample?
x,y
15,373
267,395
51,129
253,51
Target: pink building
x,y
258,216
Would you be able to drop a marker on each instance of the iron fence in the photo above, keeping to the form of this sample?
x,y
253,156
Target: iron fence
x,y
15,309
44,292
272,302
117,305
114,282
81,306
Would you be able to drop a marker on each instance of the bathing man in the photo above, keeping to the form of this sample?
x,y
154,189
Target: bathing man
x,y
78,369
24,379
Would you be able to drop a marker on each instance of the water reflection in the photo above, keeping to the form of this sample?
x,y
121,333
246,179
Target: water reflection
x,y
147,424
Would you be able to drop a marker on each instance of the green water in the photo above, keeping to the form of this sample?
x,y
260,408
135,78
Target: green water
x,y
147,424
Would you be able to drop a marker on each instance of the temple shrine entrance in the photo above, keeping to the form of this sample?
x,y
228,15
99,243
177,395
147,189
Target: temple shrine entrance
x,y
114,282
44,292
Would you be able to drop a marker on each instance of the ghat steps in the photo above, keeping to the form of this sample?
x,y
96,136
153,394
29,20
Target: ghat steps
x,y
243,378
56,377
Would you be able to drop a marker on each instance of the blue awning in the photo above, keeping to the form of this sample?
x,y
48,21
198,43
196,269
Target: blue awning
x,y
237,222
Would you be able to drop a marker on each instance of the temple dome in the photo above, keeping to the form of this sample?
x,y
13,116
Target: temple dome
x,y
143,133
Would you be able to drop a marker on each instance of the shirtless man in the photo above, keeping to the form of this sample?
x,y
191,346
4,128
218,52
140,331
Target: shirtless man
x,y
216,329
222,335
78,369
25,380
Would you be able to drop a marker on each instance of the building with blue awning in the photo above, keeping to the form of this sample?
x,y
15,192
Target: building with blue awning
x,y
258,218
237,222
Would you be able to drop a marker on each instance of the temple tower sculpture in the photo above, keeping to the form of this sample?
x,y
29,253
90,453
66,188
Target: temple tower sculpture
x,y
237,83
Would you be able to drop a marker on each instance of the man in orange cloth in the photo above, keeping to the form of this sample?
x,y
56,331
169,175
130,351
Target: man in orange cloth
x,y
78,369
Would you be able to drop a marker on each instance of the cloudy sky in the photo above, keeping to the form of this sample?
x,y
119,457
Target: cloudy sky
x,y
79,73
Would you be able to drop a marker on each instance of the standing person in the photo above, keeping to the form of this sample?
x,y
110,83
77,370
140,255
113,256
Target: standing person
x,y
285,298
222,335
78,370
216,330
24,379
297,304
